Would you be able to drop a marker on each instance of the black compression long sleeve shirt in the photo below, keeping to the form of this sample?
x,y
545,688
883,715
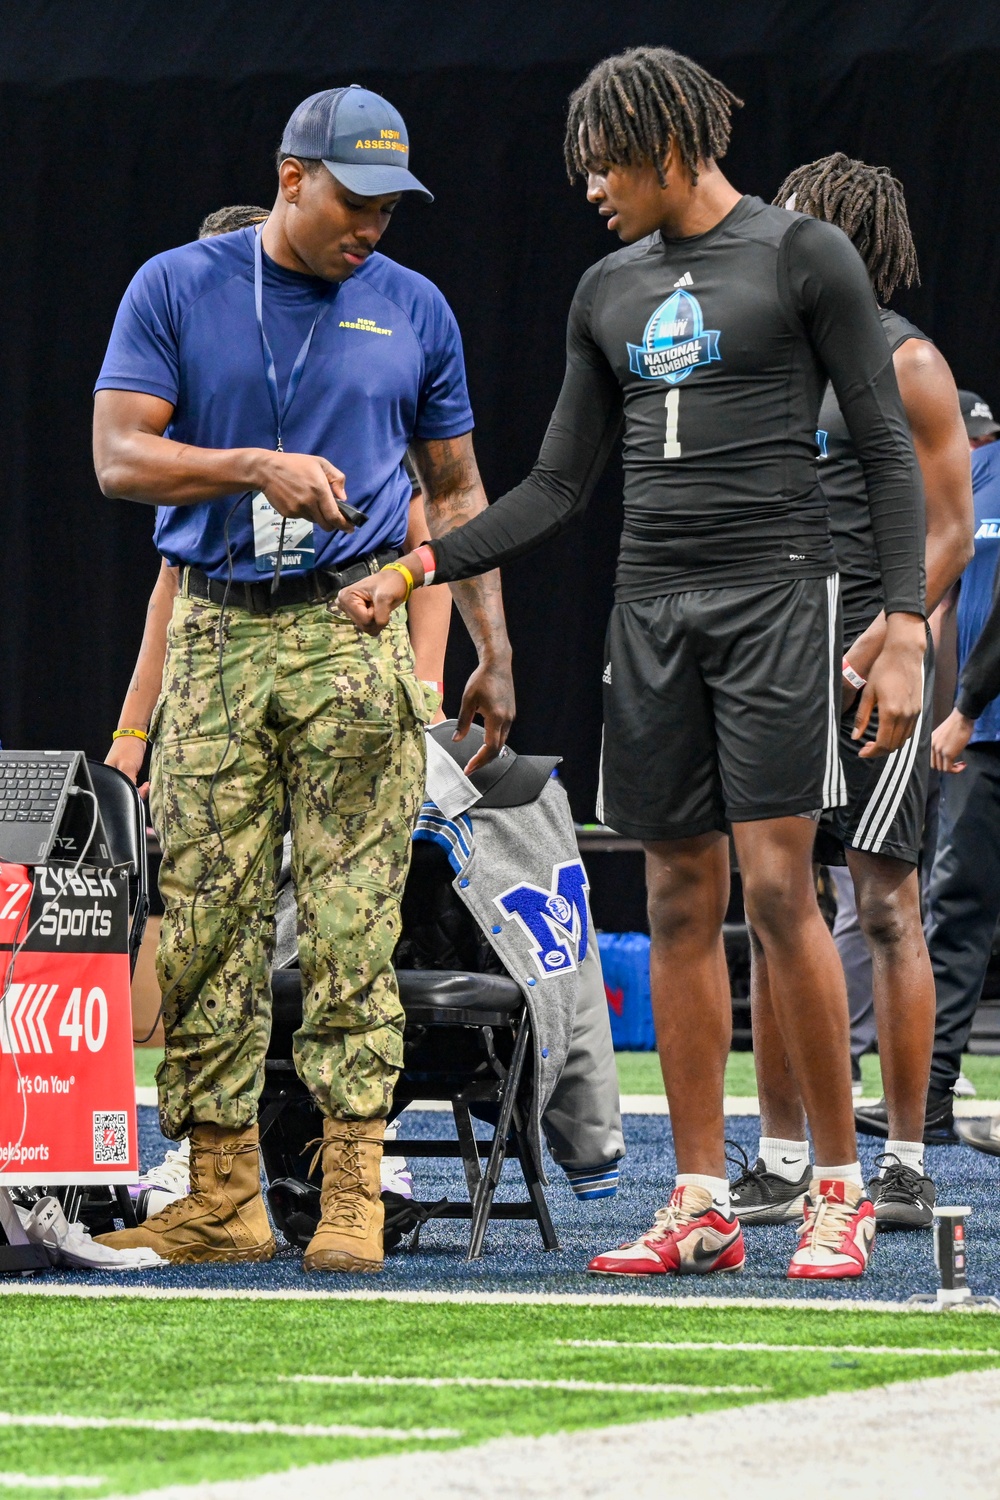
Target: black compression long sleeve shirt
x,y
715,352
979,682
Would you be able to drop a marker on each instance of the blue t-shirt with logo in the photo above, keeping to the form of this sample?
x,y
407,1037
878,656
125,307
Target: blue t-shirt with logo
x,y
976,593
385,366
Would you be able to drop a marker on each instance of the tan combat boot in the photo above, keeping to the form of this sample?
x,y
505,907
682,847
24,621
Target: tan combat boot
x,y
349,1234
223,1218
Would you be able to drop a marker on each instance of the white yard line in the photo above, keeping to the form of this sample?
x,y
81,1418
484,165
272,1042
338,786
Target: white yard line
x,y
747,1104
474,1299
741,1348
665,1303
656,1104
917,1439
498,1383
146,1094
238,1429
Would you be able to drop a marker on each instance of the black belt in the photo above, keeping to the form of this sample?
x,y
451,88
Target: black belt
x,y
302,588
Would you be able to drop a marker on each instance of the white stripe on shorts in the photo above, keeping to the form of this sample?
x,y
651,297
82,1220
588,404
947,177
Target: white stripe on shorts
x,y
883,804
600,782
834,786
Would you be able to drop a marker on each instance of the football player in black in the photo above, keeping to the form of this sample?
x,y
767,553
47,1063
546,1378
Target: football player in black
x,y
711,336
880,827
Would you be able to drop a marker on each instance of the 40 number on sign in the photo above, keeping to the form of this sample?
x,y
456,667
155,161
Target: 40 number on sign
x,y
23,1025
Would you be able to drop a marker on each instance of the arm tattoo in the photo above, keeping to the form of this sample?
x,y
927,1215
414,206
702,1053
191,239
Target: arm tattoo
x,y
453,494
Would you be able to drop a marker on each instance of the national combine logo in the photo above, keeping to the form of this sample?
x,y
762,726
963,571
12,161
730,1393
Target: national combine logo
x,y
675,341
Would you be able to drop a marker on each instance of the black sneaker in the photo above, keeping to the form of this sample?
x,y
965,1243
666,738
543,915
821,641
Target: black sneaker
x,y
903,1197
939,1121
762,1197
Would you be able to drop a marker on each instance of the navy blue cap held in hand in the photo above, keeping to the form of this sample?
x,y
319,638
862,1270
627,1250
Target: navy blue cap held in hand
x,y
358,137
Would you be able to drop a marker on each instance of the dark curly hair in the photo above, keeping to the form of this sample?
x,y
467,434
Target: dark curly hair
x,y
867,203
631,107
226,220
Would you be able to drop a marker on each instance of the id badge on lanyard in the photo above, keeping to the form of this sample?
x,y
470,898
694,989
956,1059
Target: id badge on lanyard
x,y
280,541
298,549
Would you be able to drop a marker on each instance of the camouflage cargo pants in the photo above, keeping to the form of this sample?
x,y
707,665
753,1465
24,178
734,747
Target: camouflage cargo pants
x,y
330,721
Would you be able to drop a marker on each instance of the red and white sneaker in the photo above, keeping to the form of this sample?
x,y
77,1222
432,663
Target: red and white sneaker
x,y
688,1238
838,1232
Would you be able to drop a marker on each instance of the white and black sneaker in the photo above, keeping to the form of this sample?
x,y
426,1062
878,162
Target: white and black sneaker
x,y
984,1135
762,1197
903,1197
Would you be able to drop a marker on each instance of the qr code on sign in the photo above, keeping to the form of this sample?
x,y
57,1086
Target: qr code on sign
x,y
110,1138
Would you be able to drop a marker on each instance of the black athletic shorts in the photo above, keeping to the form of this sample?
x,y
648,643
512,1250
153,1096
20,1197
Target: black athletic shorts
x,y
721,706
886,797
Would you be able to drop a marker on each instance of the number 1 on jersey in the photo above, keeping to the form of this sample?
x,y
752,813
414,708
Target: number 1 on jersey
x,y
671,446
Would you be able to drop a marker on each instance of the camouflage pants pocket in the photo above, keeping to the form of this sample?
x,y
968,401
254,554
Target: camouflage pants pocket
x,y
352,1074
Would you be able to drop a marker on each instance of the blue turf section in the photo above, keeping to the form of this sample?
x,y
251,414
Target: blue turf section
x,y
514,1261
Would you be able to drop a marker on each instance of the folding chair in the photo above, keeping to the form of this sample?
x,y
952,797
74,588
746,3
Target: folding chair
x,y
124,814
467,1040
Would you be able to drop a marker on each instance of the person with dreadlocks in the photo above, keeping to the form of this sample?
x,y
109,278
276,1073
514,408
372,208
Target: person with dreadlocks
x,y
880,827
713,334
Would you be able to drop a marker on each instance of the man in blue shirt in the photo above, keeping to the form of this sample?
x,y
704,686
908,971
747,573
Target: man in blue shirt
x,y
963,899
261,389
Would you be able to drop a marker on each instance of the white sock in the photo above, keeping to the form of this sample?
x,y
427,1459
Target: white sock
x,y
910,1153
849,1173
717,1186
787,1159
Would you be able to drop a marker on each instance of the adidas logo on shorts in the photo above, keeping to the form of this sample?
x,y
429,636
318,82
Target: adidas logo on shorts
x,y
606,678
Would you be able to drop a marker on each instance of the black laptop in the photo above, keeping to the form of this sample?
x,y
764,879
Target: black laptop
x,y
48,809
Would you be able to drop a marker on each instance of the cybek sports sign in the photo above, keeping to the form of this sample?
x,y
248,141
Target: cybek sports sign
x,y
67,1087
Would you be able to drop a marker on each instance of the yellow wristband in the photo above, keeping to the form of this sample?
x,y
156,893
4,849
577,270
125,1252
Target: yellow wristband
x,y
135,734
398,567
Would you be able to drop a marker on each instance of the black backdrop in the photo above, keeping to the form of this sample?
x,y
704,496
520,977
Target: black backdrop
x,y
122,122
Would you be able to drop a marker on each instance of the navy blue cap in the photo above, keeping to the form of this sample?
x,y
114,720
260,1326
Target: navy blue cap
x,y
359,137
977,416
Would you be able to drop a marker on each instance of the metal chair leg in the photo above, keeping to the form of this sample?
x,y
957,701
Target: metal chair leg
x,y
533,1182
70,1198
469,1147
483,1201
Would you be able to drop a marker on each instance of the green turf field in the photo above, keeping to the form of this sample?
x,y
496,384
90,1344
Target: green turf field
x,y
639,1073
167,1362
147,1060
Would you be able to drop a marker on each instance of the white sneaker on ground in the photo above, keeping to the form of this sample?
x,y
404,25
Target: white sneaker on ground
x,y
163,1183
70,1245
396,1175
964,1088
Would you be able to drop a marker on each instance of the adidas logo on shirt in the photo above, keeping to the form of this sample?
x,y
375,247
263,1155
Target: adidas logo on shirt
x,y
686,280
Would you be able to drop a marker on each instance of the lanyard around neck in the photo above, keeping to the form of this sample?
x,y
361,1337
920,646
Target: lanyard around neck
x,y
279,406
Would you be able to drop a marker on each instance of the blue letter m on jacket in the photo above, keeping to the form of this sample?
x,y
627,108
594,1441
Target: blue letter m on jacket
x,y
555,920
